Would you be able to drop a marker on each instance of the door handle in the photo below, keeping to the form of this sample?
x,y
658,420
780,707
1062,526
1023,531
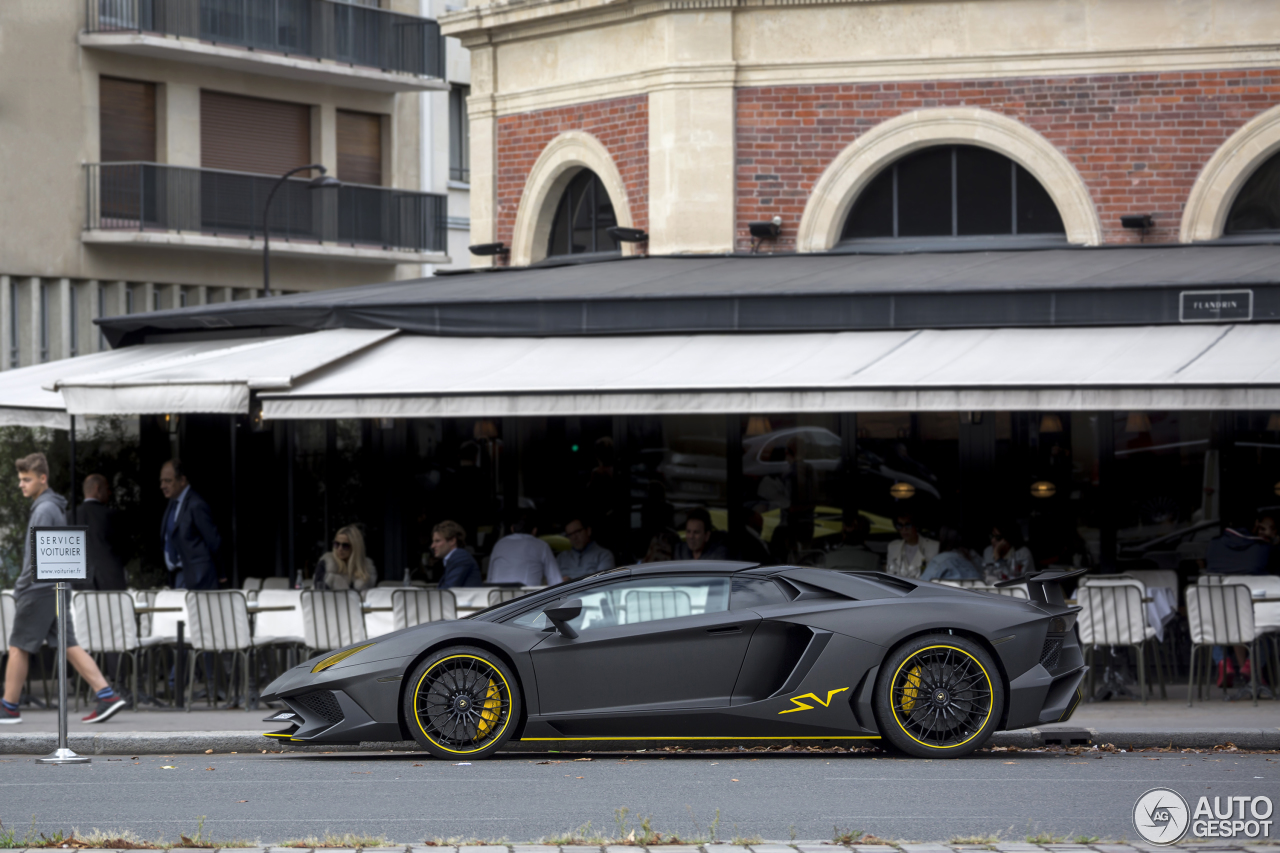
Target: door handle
x,y
729,629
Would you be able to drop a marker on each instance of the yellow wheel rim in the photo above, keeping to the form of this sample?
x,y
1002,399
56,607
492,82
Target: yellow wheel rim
x,y
941,697
462,704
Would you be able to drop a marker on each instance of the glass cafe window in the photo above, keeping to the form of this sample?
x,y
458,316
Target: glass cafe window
x,y
1257,206
582,219
1166,474
953,191
794,476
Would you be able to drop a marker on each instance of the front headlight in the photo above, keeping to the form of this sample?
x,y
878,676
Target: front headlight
x,y
338,657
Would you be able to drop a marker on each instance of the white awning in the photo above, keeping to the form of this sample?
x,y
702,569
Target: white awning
x,y
213,376
27,395
1150,367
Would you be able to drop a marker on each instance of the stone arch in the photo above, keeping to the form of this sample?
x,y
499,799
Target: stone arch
x,y
564,156
854,167
1205,215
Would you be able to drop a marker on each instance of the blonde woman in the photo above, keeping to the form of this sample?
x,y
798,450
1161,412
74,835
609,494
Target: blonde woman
x,y
346,566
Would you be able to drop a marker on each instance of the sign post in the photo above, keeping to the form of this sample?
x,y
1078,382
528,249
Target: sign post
x,y
61,556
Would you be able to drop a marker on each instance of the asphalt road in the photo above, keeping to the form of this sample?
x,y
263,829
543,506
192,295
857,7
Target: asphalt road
x,y
411,798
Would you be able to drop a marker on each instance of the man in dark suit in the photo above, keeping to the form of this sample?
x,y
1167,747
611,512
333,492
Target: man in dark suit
x,y
189,535
448,541
106,537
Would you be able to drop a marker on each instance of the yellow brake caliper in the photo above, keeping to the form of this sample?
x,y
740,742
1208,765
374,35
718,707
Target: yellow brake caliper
x,y
489,713
911,691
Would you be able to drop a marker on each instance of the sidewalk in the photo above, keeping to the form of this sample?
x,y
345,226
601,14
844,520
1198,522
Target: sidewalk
x,y
1124,723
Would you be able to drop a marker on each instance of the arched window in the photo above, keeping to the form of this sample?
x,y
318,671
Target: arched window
x,y
1257,205
582,218
952,191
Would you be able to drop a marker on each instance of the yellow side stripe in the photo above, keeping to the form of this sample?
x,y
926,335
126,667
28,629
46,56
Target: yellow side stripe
x,y
722,737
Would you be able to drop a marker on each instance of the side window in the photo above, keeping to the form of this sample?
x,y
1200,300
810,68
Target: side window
x,y
755,592
636,600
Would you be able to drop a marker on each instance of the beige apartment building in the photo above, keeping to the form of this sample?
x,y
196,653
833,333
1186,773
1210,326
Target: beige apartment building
x,y
141,139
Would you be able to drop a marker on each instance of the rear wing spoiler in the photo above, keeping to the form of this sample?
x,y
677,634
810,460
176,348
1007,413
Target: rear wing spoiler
x,y
1045,587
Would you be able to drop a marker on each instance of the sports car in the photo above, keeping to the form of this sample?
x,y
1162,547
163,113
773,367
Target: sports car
x,y
703,651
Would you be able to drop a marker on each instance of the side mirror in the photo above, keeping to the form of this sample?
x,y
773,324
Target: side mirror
x,y
562,614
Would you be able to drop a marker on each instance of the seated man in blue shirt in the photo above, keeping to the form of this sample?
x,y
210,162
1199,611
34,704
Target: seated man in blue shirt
x,y
448,541
584,557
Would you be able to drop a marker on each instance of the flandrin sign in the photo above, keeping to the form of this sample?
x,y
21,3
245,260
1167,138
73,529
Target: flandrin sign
x,y
1215,306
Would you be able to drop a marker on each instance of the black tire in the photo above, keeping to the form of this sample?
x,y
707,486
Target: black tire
x,y
938,696
462,702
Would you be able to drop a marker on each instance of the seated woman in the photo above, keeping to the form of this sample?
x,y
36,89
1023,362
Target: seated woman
x,y
953,562
346,566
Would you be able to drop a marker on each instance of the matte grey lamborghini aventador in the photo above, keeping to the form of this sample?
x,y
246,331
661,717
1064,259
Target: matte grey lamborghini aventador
x,y
706,651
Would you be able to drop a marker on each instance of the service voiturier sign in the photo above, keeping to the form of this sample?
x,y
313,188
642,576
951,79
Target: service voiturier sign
x,y
61,553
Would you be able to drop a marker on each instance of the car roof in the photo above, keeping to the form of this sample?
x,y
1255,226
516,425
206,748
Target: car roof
x,y
686,566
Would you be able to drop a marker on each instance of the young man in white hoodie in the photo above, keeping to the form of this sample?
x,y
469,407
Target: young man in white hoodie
x,y
35,620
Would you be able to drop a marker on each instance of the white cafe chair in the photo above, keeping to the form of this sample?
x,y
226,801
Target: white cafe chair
x,y
1112,613
1219,615
278,632
1016,591
218,622
377,624
504,594
331,619
105,623
411,606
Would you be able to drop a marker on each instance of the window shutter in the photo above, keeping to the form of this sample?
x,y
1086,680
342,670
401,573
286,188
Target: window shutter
x,y
252,134
359,148
126,120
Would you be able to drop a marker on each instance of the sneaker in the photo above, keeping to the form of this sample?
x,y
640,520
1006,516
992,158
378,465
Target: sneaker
x,y
106,709
8,718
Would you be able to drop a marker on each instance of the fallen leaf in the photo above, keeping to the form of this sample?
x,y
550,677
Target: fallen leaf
x,y
208,768
577,777
584,759
168,767
733,780
1008,762
417,765
242,801
208,752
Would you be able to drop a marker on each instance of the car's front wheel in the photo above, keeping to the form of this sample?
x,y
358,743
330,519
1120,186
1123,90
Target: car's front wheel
x,y
938,696
462,702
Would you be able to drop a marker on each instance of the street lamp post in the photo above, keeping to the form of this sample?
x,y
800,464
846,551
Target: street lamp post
x,y
321,181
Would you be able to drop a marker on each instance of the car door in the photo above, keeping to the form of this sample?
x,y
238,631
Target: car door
x,y
655,642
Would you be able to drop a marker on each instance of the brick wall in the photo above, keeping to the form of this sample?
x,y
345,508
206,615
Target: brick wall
x,y
1138,140
621,125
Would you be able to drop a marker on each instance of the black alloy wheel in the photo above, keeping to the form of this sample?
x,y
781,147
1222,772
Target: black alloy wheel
x,y
462,701
939,695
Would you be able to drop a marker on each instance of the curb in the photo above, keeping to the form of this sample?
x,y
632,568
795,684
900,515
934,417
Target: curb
x,y
156,743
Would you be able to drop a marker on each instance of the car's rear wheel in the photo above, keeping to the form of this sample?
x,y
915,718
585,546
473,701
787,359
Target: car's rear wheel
x,y
462,702
938,695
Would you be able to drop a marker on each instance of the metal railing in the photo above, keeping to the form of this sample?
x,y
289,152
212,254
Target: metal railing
x,y
322,29
157,197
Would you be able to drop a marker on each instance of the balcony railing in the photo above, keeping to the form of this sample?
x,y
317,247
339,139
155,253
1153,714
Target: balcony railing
x,y
155,197
320,29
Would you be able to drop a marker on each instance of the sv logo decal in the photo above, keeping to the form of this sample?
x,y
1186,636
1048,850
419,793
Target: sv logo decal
x,y
800,703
